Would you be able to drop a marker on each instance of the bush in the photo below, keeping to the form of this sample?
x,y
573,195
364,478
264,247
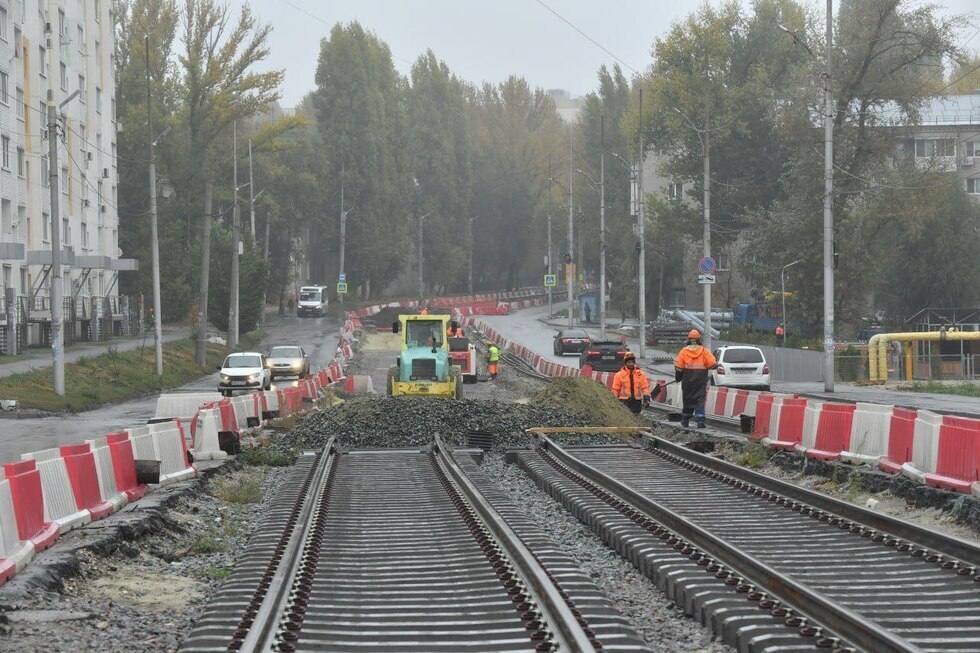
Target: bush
x,y
263,456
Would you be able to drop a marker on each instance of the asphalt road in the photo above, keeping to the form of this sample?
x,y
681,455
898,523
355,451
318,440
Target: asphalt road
x,y
317,335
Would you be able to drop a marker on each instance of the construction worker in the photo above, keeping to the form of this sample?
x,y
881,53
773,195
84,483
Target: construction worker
x,y
493,357
453,330
780,334
691,369
424,311
631,385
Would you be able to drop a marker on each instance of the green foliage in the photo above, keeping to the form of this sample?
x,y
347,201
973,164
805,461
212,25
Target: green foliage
x,y
962,389
262,456
253,280
239,488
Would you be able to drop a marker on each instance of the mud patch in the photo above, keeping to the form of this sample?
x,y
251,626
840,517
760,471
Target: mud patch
x,y
149,590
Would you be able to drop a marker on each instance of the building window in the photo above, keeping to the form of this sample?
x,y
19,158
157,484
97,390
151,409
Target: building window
x,y
84,236
65,232
42,61
20,104
929,147
973,148
84,191
81,87
5,145
46,226
98,58
3,23
675,190
64,76
973,185
64,180
45,172
98,100
81,38
20,162
98,11
4,88
62,24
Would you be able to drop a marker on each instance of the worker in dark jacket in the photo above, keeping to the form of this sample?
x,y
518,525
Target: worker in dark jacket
x,y
631,385
691,369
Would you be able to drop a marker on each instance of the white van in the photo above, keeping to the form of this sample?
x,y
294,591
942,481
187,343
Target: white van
x,y
313,300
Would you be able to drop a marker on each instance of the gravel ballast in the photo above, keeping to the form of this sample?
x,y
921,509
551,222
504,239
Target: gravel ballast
x,y
661,623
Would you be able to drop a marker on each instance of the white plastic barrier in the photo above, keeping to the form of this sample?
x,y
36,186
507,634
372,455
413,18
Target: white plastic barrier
x,y
60,506
244,407
14,552
183,404
777,405
925,446
206,444
869,434
271,400
811,420
730,403
106,474
675,396
751,403
169,444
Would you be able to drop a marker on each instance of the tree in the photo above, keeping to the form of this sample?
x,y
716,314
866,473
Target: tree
x,y
360,107
964,79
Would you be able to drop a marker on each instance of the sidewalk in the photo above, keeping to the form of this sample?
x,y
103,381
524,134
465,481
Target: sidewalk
x,y
41,358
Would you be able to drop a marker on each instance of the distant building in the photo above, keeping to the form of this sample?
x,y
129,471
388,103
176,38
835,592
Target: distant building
x,y
947,137
568,107
50,50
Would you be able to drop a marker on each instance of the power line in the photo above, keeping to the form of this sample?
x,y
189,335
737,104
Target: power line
x,y
594,42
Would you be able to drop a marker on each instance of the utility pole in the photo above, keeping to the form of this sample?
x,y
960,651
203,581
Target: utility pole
x,y
782,282
235,238
265,250
602,227
571,240
343,228
421,283
828,212
251,192
57,287
154,235
470,237
706,144
551,310
642,266
201,349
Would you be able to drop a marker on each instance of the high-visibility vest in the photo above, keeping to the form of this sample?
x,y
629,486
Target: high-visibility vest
x,y
494,354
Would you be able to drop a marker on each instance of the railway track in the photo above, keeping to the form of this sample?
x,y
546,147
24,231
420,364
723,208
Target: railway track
x,y
769,565
398,549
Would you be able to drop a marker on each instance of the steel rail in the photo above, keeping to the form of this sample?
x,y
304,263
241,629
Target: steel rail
x,y
948,545
569,634
261,637
849,624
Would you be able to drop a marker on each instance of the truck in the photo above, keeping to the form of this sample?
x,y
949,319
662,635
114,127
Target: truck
x,y
313,301
424,367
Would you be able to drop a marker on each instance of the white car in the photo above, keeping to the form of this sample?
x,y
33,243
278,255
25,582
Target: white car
x,y
740,366
247,370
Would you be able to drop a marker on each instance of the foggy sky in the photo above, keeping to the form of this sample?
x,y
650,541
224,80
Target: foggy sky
x,y
492,39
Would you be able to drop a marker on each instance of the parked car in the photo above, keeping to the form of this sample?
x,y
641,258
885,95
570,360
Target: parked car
x,y
288,360
741,366
571,341
247,370
604,355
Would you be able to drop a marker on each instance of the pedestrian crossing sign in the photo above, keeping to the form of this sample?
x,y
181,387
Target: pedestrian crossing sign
x,y
550,280
341,287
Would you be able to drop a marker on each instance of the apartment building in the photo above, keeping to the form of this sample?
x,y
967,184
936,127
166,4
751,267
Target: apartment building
x,y
49,50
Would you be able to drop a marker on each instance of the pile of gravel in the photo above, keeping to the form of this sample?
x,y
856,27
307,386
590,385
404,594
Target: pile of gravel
x,y
414,421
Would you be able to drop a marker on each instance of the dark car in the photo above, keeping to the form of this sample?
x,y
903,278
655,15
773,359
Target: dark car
x,y
571,341
604,355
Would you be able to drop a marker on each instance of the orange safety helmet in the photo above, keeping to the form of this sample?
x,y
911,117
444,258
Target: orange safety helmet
x,y
629,356
694,334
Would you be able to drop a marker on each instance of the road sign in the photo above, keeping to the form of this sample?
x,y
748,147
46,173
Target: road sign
x,y
707,265
343,277
341,287
550,280
706,278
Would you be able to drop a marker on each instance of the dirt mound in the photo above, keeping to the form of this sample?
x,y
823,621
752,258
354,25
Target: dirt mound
x,y
586,397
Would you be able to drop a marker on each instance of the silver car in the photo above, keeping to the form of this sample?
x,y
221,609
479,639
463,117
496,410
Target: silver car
x,y
288,360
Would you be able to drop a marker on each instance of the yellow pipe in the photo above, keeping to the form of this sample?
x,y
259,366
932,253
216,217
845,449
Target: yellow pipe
x,y
878,361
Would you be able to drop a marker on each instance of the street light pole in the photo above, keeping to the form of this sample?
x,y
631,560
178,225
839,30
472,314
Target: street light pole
x,y
470,239
642,267
782,280
602,227
235,237
343,229
154,234
421,283
828,213
571,240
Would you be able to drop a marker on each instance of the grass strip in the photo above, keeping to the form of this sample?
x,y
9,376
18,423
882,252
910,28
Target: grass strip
x,y
115,377
935,387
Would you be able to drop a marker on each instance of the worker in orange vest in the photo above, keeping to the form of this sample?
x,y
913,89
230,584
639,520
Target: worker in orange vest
x,y
631,385
453,330
780,334
691,369
424,311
